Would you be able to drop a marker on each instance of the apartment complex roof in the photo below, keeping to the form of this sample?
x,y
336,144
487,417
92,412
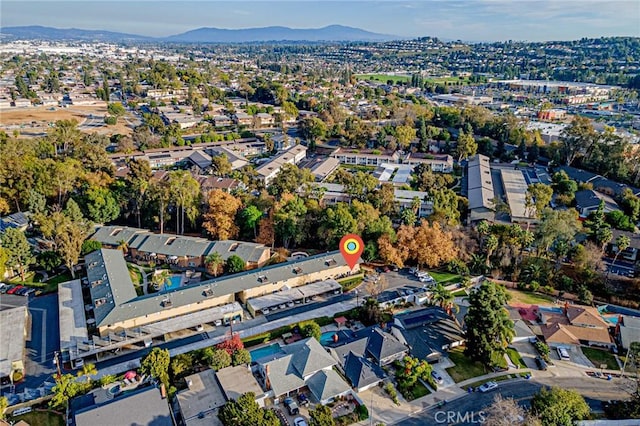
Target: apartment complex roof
x,y
515,188
12,336
480,183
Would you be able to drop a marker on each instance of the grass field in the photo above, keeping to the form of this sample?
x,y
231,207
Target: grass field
x,y
445,277
598,356
516,358
464,368
384,78
41,418
530,298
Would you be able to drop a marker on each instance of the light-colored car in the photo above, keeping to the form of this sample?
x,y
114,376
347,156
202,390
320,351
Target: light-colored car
x,y
489,386
299,421
437,377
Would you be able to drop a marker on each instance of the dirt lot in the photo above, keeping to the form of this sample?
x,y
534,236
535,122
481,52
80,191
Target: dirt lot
x,y
37,121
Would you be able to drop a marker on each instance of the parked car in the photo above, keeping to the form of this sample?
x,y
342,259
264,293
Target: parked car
x,y
22,292
14,289
394,268
540,363
303,400
299,421
292,407
437,377
29,292
487,387
3,288
563,353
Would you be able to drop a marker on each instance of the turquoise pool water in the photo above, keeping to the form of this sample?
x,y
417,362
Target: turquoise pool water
x,y
173,283
327,337
265,351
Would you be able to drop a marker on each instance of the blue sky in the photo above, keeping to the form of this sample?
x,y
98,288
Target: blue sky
x,y
468,20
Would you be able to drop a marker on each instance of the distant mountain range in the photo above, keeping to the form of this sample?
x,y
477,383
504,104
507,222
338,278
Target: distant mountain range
x,y
200,35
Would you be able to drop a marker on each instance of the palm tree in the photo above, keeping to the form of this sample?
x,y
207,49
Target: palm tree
x,y
124,246
214,261
442,297
477,264
622,243
87,371
160,278
490,245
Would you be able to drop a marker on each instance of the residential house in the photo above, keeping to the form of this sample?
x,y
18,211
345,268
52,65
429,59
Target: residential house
x,y
627,331
13,335
323,168
576,325
365,157
381,347
18,220
262,119
222,121
588,201
242,119
199,162
438,163
199,403
142,407
236,159
209,183
303,364
428,332
238,380
361,372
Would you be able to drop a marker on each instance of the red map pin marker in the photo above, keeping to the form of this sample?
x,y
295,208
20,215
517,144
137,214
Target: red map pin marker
x,y
351,247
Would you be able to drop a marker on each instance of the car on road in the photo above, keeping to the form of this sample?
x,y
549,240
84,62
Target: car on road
x,y
487,387
299,421
541,364
437,377
292,407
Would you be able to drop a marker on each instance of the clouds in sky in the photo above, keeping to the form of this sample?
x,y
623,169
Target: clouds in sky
x,y
470,20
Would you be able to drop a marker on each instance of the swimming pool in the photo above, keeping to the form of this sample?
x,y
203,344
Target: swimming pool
x,y
327,337
265,351
173,283
550,309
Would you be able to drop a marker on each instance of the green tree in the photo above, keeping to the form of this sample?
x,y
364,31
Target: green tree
x,y
442,297
245,411
235,264
250,216
556,225
288,219
360,185
116,109
48,260
216,358
185,191
337,222
180,364
310,329
214,262
409,370
102,205
220,165
559,407
537,198
66,388
137,183
156,364
321,415
466,147
89,246
19,252
598,230
289,179
489,329
405,135
87,371
241,356
4,403
577,138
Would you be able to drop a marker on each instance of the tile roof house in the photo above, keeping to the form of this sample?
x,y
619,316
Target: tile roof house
x,y
428,332
578,325
300,364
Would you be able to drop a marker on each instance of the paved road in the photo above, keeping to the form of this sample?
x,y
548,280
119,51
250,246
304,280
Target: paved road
x,y
467,410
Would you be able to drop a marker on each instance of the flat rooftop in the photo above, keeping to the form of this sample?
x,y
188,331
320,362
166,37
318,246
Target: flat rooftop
x,y
236,381
202,397
298,293
12,337
73,323
515,188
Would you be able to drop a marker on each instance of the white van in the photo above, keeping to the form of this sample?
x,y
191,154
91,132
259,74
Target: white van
x,y
563,353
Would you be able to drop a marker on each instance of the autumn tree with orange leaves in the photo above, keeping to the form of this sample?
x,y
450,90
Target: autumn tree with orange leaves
x,y
220,217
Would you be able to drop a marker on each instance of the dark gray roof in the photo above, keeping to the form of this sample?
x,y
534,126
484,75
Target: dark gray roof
x,y
200,159
171,245
383,345
358,347
600,183
326,384
110,284
140,306
17,220
361,372
249,252
578,175
112,235
591,199
428,330
139,408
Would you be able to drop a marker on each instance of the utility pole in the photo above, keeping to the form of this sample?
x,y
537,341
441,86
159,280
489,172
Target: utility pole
x,y
56,361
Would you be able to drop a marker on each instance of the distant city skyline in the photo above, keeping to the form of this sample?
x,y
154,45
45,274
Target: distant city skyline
x,y
469,20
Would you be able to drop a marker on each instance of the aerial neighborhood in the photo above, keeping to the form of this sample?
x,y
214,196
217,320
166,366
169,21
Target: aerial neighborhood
x,y
173,214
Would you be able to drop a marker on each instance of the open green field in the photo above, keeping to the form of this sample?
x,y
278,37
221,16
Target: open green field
x,y
599,356
445,277
384,78
529,297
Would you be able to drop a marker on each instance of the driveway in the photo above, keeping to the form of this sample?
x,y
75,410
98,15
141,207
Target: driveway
x,y
528,352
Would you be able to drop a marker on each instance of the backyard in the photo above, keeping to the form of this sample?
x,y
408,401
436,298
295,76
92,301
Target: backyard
x,y
41,418
529,297
599,356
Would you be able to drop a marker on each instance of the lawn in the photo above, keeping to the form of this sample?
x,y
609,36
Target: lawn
x,y
516,358
598,356
41,418
530,298
460,293
464,368
445,277
384,78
